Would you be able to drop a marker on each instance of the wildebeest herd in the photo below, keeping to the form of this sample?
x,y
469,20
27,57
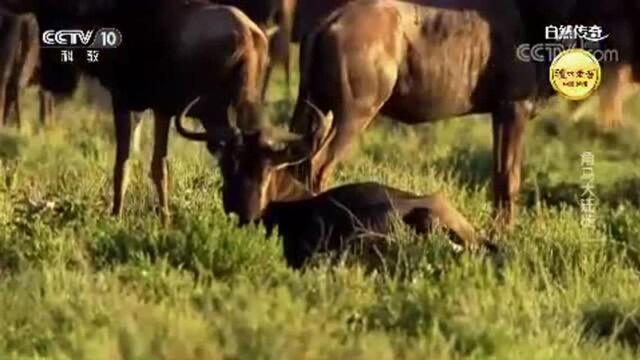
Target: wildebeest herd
x,y
415,61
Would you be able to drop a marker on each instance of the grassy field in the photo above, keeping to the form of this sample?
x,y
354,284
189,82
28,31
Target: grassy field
x,y
78,284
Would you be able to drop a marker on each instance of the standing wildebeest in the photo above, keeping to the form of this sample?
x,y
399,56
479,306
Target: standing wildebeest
x,y
19,52
425,60
171,53
255,188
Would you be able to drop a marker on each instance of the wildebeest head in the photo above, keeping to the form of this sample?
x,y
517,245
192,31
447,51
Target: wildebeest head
x,y
250,161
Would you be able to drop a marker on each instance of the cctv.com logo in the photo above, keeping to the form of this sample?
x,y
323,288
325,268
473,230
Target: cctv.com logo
x,y
546,52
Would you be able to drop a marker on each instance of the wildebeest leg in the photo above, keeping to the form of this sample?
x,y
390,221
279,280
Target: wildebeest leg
x,y
435,211
3,101
137,129
10,102
5,75
46,107
282,39
159,162
6,109
508,130
43,108
615,90
348,127
267,78
347,131
16,106
51,102
122,122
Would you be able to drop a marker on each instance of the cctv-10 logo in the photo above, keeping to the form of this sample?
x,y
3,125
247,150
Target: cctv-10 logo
x,y
104,38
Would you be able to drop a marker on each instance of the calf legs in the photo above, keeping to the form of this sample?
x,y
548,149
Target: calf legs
x,y
435,211
508,138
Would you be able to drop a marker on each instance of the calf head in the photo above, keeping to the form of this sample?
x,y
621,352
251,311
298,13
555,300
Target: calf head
x,y
251,160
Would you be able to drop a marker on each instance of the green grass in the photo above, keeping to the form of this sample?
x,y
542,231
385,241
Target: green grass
x,y
77,284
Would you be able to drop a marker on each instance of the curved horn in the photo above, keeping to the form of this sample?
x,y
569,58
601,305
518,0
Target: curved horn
x,y
195,136
327,118
314,107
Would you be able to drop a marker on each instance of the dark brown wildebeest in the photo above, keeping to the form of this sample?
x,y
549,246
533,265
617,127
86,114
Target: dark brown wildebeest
x,y
255,188
170,54
19,57
425,60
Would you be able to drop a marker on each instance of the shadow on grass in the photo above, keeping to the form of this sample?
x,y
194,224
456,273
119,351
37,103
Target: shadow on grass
x,y
612,322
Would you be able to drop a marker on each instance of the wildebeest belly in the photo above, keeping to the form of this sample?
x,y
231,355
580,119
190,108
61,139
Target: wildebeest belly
x,y
445,66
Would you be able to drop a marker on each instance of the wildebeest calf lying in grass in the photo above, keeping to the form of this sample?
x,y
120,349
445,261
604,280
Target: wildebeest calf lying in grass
x,y
257,186
359,213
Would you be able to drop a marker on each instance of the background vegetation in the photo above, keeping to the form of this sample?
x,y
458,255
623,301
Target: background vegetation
x,y
77,284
